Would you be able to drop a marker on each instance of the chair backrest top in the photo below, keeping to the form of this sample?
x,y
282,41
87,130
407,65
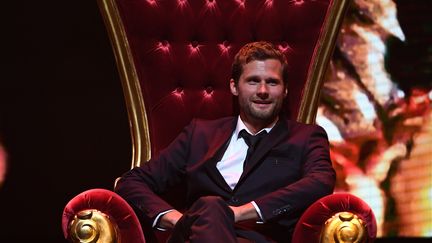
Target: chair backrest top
x,y
179,54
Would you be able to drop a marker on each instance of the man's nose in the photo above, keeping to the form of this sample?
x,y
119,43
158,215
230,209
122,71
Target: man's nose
x,y
262,91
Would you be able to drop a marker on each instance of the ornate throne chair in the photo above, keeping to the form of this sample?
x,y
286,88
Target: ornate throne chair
x,y
174,58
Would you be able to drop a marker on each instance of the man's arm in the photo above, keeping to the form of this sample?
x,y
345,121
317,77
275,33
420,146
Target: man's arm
x,y
142,185
317,179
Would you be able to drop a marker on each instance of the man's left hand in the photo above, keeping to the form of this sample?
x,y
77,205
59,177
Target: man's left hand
x,y
244,212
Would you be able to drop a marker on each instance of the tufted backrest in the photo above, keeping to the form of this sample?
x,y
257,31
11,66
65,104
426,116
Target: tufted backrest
x,y
174,57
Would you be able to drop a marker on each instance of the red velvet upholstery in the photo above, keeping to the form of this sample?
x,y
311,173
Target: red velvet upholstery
x,y
309,227
110,204
183,51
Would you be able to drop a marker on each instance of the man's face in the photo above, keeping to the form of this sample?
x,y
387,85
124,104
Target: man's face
x,y
260,91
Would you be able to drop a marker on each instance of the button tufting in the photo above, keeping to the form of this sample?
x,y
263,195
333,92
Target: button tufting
x,y
163,45
299,2
211,4
224,47
152,2
209,90
182,3
194,47
241,3
283,47
178,92
269,3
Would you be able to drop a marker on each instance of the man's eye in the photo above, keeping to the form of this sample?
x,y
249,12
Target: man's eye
x,y
272,82
253,81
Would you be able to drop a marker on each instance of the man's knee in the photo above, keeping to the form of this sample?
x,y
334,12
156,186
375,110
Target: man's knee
x,y
208,216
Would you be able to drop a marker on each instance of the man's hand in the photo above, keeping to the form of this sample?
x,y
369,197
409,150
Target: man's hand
x,y
244,212
169,220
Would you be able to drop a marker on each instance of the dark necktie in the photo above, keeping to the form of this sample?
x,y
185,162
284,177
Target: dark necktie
x,y
252,141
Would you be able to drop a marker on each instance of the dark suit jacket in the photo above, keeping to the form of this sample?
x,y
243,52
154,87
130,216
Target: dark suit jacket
x,y
289,171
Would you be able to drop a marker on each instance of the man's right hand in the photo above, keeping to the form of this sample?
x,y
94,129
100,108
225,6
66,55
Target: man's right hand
x,y
169,220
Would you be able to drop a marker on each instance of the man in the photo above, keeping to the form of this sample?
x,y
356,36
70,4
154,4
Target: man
x,y
238,189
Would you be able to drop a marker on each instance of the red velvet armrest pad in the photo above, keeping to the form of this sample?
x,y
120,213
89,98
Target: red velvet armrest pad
x,y
308,228
110,204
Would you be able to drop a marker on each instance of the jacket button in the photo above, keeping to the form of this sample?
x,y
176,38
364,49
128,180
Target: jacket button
x,y
234,200
276,211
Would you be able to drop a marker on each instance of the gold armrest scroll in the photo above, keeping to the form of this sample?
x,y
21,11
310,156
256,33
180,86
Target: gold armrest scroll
x,y
93,226
344,227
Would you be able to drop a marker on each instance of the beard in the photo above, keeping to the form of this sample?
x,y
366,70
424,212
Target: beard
x,y
255,113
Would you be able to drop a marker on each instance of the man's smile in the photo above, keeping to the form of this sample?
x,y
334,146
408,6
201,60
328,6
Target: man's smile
x,y
262,103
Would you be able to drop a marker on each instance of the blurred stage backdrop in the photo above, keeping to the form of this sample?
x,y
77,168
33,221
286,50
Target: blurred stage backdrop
x,y
376,108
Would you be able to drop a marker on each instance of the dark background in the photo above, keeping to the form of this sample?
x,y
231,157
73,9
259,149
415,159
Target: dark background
x,y
63,120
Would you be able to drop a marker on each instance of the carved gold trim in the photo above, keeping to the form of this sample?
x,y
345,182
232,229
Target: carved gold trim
x,y
141,149
92,226
318,67
344,227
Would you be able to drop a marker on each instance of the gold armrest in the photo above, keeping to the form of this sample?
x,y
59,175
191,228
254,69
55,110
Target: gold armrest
x,y
93,226
344,227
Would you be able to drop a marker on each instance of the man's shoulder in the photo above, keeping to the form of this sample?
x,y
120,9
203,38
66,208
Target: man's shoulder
x,y
302,127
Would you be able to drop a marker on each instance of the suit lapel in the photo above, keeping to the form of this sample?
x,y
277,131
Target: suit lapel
x,y
217,144
276,135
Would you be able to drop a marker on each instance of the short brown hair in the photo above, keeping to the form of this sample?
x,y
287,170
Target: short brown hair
x,y
261,51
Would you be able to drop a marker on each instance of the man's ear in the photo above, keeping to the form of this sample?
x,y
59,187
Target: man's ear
x,y
233,87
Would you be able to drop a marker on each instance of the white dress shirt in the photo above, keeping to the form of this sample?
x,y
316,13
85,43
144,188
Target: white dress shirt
x,y
231,164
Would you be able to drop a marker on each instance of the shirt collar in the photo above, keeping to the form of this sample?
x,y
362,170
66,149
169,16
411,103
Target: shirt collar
x,y
240,126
